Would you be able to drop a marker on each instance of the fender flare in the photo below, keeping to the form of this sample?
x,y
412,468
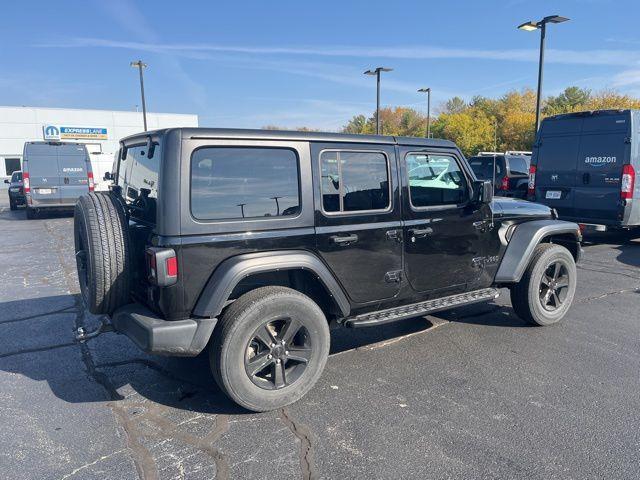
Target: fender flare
x,y
230,272
524,240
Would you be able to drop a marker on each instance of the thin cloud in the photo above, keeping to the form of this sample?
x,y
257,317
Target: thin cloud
x,y
194,50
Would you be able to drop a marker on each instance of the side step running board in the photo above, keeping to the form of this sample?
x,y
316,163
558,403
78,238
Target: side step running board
x,y
422,308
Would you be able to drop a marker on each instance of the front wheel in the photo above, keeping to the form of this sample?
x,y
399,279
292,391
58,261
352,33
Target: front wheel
x,y
12,204
270,348
545,293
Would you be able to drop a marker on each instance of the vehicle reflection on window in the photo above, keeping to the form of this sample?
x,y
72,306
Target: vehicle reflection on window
x,y
435,180
138,177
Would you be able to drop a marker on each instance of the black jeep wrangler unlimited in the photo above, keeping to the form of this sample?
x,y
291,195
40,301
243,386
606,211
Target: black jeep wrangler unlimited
x,y
252,243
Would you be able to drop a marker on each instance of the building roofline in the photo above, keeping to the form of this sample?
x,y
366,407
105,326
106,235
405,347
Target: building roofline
x,y
96,110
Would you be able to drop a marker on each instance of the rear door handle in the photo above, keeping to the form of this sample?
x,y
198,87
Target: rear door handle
x,y
345,240
394,235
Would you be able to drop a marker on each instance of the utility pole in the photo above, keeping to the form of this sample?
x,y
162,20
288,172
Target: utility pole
x,y
542,26
140,65
428,91
376,73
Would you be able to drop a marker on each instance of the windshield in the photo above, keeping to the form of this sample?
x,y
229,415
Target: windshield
x,y
138,176
483,167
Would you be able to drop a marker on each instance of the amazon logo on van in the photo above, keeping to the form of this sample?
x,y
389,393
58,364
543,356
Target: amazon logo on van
x,y
72,169
599,161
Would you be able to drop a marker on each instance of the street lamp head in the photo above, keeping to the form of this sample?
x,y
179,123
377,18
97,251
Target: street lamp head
x,y
528,26
423,90
555,19
378,70
138,64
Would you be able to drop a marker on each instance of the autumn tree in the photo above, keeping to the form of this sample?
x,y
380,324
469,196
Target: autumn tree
x,y
400,121
472,130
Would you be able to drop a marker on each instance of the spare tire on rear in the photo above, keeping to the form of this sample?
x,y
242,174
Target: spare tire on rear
x,y
102,252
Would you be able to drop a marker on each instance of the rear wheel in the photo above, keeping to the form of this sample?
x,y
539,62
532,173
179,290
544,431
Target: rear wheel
x,y
270,348
545,293
102,252
31,213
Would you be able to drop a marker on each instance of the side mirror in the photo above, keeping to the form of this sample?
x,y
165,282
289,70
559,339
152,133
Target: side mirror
x,y
107,176
6,180
483,192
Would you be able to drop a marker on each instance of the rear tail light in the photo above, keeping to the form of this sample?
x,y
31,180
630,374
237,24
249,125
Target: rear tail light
x,y
26,182
531,189
504,184
91,184
628,182
162,266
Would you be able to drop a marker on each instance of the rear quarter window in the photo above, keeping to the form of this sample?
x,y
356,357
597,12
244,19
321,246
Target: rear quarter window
x,y
244,182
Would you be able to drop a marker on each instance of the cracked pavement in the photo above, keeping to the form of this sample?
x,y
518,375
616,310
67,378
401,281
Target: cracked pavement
x,y
471,393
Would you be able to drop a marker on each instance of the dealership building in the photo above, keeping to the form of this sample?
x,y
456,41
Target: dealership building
x,y
99,130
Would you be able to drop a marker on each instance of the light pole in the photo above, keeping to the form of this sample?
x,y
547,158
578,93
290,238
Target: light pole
x,y
542,26
140,65
376,72
428,90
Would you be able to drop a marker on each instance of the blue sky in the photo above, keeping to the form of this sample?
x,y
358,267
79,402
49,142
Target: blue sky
x,y
295,63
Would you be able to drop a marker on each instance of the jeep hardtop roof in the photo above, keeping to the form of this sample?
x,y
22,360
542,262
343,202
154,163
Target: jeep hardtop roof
x,y
255,134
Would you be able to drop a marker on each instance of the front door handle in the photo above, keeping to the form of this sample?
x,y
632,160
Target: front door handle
x,y
420,232
345,240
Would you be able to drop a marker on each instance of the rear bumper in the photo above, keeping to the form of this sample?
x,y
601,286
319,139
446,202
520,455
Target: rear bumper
x,y
185,338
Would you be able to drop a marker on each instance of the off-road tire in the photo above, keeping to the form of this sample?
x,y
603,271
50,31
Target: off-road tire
x,y
234,332
102,252
525,295
12,204
31,213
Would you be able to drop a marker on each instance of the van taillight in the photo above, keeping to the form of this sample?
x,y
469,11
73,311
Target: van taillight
x,y
628,182
91,184
504,184
26,183
531,190
162,266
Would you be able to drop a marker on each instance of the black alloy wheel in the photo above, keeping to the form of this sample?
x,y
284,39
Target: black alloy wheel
x,y
278,353
554,286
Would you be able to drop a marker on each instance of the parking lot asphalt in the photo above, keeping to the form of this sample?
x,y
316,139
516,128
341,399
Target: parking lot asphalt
x,y
471,393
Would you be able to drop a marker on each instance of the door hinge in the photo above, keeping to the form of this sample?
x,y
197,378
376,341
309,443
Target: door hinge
x,y
394,276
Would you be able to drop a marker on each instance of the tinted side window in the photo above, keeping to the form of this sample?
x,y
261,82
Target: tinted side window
x,y
483,167
519,165
435,180
354,181
232,183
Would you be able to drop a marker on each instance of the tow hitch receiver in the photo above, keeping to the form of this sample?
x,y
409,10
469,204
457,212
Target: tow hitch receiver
x,y
81,335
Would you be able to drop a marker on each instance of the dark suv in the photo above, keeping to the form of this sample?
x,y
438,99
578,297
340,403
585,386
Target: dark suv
x,y
252,243
16,190
511,171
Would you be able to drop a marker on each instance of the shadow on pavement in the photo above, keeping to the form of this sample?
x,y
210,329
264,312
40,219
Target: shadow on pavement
x,y
123,371
629,254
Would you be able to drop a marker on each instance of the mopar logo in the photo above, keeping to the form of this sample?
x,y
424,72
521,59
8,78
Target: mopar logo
x,y
599,161
51,132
